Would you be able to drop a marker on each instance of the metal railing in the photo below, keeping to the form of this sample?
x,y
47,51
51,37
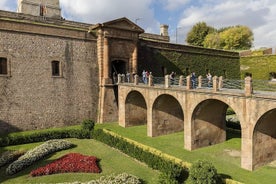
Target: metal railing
x,y
258,85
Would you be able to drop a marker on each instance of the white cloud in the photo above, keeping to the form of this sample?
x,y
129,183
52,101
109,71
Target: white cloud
x,y
98,11
174,4
4,5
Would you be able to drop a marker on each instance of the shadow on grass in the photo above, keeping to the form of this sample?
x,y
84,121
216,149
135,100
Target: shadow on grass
x,y
232,133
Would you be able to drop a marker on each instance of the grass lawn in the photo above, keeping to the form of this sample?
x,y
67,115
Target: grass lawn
x,y
111,161
224,156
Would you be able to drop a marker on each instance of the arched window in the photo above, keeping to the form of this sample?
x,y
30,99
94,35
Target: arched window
x,y
3,66
55,68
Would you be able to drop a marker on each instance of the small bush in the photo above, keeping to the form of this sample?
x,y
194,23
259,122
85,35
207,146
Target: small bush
x,y
203,172
120,178
10,156
88,124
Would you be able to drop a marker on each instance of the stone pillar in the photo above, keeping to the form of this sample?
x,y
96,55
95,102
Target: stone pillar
x,y
247,148
199,81
136,79
188,78
119,79
215,84
121,107
151,80
220,83
134,59
181,79
123,78
106,62
248,87
167,81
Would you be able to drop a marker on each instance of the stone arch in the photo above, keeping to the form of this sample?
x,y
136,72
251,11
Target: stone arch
x,y
209,123
167,115
135,109
264,139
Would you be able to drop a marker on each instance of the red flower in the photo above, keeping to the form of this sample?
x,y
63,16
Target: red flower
x,y
72,162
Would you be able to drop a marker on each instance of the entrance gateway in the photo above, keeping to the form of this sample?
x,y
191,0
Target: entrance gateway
x,y
117,54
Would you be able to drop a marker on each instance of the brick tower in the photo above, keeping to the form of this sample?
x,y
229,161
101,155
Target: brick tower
x,y
45,8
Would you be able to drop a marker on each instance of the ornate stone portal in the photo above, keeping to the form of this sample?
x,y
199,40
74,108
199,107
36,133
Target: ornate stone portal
x,y
117,54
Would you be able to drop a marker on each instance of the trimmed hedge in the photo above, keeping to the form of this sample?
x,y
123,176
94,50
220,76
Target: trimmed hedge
x,y
43,135
174,168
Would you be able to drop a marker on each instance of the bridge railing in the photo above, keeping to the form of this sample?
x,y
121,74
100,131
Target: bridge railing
x,y
216,84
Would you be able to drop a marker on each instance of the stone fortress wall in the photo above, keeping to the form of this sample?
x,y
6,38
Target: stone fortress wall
x,y
30,96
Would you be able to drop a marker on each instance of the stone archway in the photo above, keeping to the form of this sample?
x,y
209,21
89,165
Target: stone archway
x,y
264,139
135,109
117,67
167,116
209,124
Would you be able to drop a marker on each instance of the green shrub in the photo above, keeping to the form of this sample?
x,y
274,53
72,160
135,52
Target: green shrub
x,y
43,135
165,178
203,172
88,124
154,160
230,111
10,156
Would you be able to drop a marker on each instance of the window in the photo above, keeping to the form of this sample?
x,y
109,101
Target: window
x,y
55,68
3,66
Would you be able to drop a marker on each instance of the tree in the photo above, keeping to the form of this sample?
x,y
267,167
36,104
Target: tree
x,y
212,40
197,34
237,38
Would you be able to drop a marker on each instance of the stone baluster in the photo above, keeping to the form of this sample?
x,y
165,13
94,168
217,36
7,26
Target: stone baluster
x,y
167,81
123,76
220,83
199,81
119,79
181,80
248,87
188,85
215,84
136,79
150,81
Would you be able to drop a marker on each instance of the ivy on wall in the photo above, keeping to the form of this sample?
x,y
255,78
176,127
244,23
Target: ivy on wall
x,y
259,66
160,59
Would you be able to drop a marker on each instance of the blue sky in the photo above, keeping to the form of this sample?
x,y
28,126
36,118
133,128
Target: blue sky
x,y
180,15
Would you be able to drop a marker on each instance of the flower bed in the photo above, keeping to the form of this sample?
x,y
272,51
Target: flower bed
x,y
10,156
37,153
72,162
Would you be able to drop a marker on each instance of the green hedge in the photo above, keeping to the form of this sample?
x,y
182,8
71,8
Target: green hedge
x,y
43,135
258,66
153,158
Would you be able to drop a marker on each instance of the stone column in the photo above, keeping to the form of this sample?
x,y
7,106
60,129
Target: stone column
x,y
215,84
151,80
106,62
167,81
248,87
119,79
220,84
136,79
188,86
181,78
134,59
199,81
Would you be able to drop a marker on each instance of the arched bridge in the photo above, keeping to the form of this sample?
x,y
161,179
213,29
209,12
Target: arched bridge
x,y
201,113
